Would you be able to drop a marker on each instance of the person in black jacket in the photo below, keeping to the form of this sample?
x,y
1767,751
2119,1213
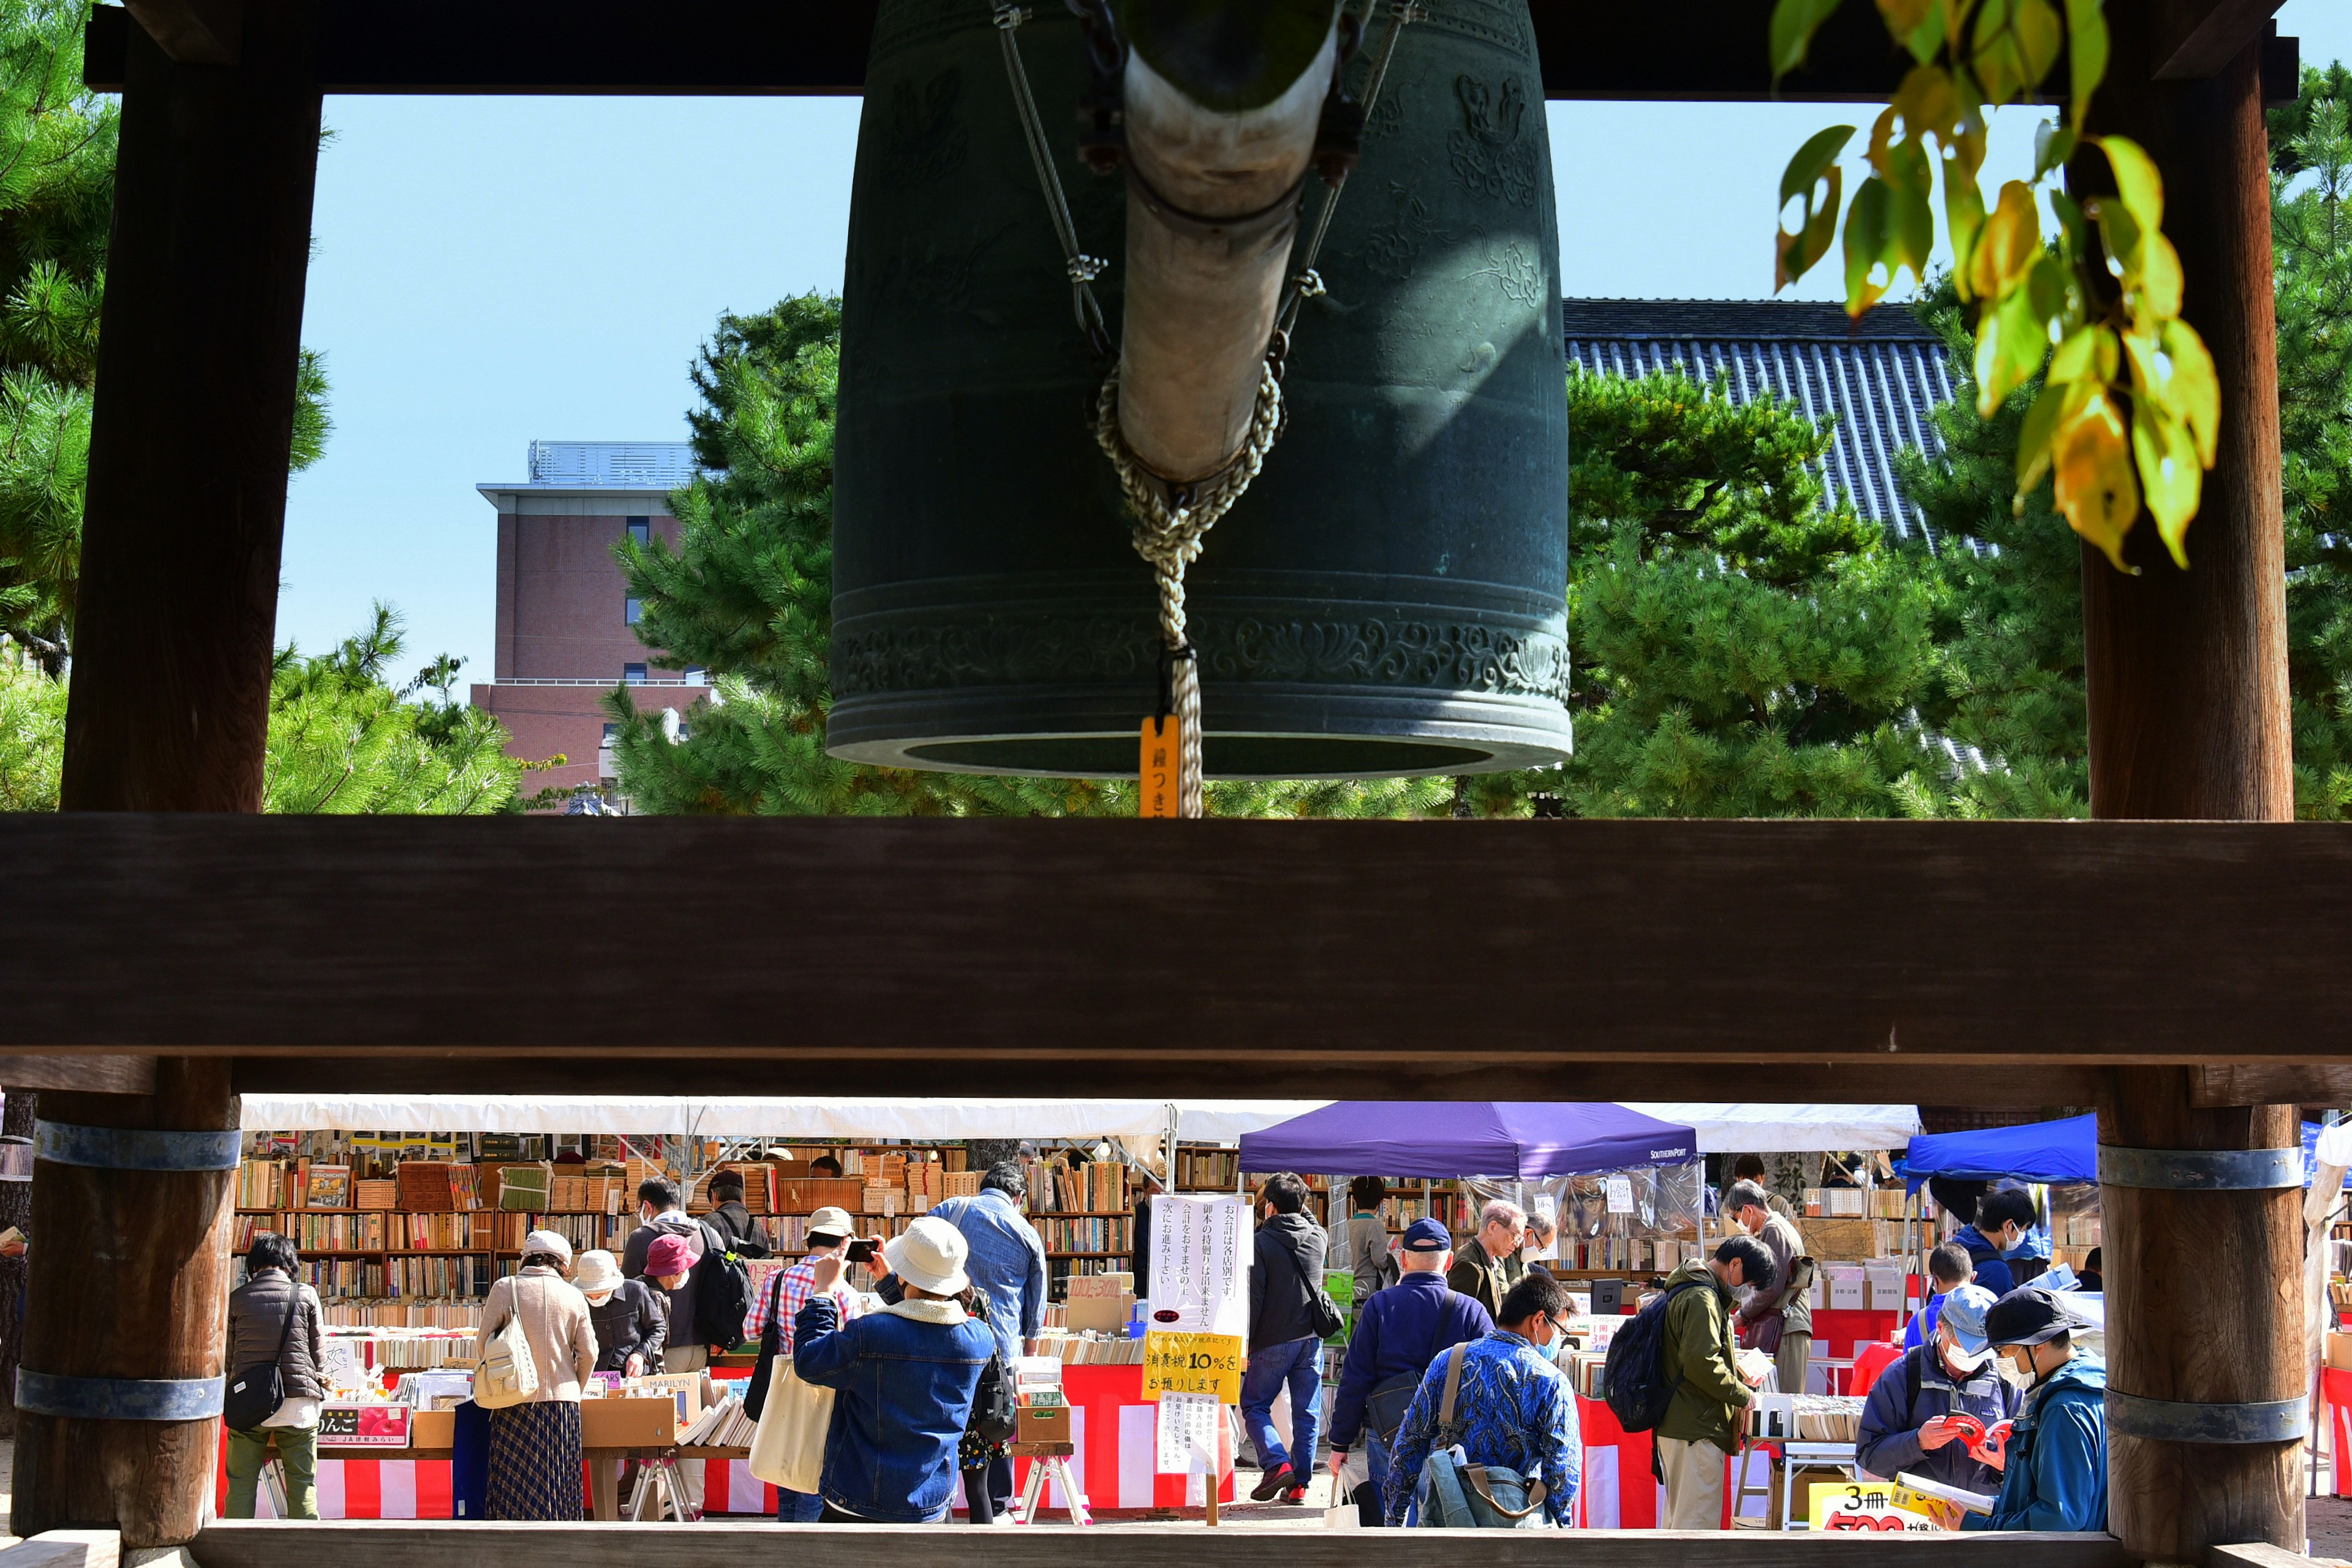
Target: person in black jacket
x,y
629,1322
274,1317
1282,1349
746,1236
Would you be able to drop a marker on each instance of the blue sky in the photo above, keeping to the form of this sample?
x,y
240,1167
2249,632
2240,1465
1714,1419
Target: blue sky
x,y
495,270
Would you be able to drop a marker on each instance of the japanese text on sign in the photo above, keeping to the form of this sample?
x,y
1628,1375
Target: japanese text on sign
x,y
1209,1364
1200,1265
1867,1506
1620,1195
1187,1429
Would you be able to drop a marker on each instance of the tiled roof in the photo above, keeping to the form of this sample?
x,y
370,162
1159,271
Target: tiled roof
x,y
1878,377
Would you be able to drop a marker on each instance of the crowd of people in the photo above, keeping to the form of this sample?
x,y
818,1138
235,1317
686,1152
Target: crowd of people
x,y
1452,1405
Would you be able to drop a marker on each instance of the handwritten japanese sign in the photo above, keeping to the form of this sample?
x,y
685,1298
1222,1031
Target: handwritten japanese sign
x,y
1200,1265
1868,1506
1187,1433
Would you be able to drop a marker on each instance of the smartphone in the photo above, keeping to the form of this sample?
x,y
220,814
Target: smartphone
x,y
860,1252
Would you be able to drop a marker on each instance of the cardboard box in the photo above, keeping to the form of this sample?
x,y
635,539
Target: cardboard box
x,y
1885,1289
2339,1350
1043,1425
627,1423
1848,1290
433,1429
1104,1314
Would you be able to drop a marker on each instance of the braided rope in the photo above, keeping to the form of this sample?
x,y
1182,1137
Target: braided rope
x,y
1169,537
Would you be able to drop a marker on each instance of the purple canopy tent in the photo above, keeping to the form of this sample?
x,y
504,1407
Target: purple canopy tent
x,y
1522,1140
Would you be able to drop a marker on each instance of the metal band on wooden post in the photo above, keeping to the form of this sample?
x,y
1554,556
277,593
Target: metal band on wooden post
x,y
2186,1421
119,1398
2200,1169
136,1149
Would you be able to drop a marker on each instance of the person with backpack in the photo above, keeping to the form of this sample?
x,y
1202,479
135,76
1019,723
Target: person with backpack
x,y
746,1236
1948,1268
659,1216
1285,1349
1697,1359
1398,1333
1909,1422
276,1386
1501,1404
1367,1237
2056,1477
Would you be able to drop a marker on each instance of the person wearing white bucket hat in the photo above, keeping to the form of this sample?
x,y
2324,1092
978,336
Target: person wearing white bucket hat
x,y
903,1381
829,1232
534,1447
630,1323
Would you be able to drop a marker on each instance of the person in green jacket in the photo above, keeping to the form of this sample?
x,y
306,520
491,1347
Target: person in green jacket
x,y
1711,1394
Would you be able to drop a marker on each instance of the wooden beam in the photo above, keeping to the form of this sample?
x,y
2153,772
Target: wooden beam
x,y
191,420
803,47
1250,955
2271,1083
426,1543
86,1074
2196,38
193,32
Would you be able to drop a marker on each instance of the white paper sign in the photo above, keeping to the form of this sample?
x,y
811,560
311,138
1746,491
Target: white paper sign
x,y
1187,1433
1620,1195
1546,1206
1200,1263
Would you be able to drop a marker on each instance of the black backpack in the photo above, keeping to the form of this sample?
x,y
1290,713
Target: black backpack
x,y
722,1292
1635,1375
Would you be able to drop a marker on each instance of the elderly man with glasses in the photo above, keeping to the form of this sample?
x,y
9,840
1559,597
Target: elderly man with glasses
x,y
1489,1264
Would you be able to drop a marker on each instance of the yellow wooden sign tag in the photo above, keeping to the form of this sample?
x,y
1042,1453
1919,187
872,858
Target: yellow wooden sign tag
x,y
1156,774
1194,1364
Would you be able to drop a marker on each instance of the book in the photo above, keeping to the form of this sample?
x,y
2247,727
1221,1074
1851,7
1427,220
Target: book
x,y
328,1187
1975,1502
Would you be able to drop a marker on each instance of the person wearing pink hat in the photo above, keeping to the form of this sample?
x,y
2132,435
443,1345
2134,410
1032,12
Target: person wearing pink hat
x,y
903,1381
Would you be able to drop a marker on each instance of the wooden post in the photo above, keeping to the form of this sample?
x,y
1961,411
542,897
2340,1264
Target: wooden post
x,y
128,1280
2187,716
193,423
17,1209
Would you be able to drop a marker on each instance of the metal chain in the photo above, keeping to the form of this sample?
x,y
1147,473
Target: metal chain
x,y
1171,524
1082,269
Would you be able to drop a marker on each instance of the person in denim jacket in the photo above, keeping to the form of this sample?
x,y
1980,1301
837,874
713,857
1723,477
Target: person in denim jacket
x,y
903,1379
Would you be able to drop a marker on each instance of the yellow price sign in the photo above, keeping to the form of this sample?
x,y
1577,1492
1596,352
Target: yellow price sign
x,y
1194,1364
1868,1506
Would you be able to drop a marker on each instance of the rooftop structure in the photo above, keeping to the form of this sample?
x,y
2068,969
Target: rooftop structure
x,y
1877,378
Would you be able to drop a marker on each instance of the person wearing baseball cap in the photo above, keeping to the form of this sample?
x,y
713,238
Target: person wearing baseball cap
x,y
770,1321
1930,1411
903,1380
1398,1333
2057,1472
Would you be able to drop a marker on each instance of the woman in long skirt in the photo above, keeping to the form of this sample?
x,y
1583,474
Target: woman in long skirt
x,y
535,1447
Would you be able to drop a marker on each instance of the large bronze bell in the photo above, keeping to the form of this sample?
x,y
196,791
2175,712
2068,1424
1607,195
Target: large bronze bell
x,y
1386,599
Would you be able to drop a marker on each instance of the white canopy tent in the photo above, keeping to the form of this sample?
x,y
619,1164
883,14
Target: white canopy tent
x,y
1738,1127
1208,1121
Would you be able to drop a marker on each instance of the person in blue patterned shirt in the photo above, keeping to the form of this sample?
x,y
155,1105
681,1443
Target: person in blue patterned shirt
x,y
1514,1406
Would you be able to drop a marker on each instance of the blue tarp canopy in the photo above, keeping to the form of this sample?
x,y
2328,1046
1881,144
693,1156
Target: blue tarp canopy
x,y
2065,1151
1524,1140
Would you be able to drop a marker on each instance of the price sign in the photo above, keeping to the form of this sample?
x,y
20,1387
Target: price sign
x,y
363,1427
1868,1506
1200,1265
1205,1364
1186,1429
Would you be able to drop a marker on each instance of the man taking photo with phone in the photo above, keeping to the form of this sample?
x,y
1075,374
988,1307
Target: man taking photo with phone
x,y
770,1321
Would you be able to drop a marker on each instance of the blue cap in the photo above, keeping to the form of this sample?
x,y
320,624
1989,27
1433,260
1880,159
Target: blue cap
x,y
1963,1311
1427,1236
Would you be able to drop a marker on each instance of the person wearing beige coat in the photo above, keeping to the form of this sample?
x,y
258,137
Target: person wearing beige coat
x,y
535,1447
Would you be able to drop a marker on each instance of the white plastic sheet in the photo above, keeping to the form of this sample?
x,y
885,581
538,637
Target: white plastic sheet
x,y
1740,1127
707,1117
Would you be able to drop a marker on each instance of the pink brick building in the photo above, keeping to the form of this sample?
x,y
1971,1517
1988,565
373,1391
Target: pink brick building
x,y
565,620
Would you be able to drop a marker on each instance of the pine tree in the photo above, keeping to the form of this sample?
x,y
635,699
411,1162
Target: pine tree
x,y
748,596
57,145
1741,648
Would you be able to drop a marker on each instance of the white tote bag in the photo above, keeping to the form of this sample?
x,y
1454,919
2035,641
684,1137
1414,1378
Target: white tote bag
x,y
788,1449
508,1373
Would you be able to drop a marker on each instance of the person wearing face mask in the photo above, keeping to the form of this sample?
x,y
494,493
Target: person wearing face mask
x,y
1512,1405
2056,1477
1699,1359
1907,1423
1779,1318
2004,1220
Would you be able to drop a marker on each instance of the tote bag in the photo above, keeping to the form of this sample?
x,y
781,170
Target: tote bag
x,y
508,1373
788,1449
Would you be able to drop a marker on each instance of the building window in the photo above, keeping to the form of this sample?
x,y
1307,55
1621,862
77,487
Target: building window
x,y
684,733
641,529
632,675
697,676
632,610
610,732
